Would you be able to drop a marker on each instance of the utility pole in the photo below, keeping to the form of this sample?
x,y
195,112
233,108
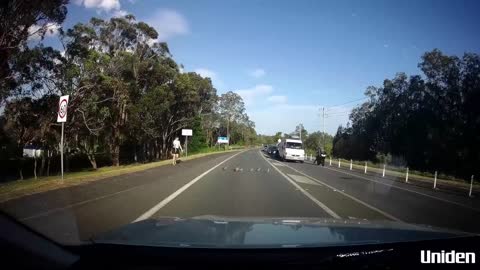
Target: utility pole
x,y
323,124
300,127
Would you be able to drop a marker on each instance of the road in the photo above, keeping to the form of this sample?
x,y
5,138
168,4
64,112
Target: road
x,y
246,184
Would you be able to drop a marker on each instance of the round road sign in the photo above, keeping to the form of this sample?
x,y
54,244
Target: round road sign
x,y
62,108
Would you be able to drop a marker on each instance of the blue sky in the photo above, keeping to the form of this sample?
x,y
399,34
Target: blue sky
x,y
289,58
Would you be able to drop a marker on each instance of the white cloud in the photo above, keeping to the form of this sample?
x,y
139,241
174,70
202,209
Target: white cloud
x,y
35,31
204,72
102,5
257,73
251,94
119,13
385,45
168,23
277,99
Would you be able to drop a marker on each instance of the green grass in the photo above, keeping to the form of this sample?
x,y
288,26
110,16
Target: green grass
x,y
20,188
400,172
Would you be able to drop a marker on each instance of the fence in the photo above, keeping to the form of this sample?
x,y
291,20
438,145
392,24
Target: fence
x,y
434,180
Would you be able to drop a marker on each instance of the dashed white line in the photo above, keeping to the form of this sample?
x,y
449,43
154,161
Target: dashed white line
x,y
172,196
308,195
277,164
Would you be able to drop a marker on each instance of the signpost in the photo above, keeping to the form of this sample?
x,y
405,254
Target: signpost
x,y
186,133
221,140
62,118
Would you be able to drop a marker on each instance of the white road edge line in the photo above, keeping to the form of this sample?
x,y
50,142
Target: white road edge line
x,y
409,190
317,202
179,191
349,196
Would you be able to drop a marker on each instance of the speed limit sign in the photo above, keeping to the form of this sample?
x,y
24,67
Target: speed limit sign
x,y
62,109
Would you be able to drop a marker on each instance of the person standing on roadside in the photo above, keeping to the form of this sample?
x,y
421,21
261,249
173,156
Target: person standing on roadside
x,y
320,157
176,150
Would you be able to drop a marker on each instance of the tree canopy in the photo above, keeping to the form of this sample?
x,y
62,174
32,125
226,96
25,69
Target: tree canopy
x,y
128,97
427,122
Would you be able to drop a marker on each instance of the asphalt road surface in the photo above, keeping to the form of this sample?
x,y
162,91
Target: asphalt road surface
x,y
239,184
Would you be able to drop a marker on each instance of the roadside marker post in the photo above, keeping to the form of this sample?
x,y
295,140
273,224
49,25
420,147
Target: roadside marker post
x,y
186,133
435,181
383,172
406,176
351,164
471,187
330,161
365,167
338,162
311,157
62,118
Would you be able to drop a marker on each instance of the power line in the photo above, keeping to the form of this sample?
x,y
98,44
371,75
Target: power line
x,y
340,112
335,115
348,102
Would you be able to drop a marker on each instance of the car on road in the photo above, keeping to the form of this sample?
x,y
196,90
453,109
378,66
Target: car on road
x,y
291,149
265,147
273,151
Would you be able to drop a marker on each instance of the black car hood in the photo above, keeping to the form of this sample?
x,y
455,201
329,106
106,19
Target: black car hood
x,y
229,232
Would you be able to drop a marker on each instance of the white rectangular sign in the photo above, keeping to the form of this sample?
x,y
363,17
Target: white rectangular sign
x,y
222,140
186,132
62,109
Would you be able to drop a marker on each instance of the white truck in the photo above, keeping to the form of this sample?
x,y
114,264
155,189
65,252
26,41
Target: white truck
x,y
291,149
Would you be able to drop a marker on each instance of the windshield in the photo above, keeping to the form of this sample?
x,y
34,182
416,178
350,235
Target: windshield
x,y
293,145
129,117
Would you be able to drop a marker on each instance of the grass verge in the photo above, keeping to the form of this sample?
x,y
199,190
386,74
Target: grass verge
x,y
20,188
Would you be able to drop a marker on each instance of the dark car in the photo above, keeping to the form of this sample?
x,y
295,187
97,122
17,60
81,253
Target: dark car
x,y
273,151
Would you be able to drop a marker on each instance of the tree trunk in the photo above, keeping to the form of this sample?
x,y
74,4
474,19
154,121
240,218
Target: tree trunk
x,y
67,161
228,131
48,163
147,152
144,152
147,155
42,164
135,153
152,151
93,161
116,155
157,150
165,154
115,146
35,165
